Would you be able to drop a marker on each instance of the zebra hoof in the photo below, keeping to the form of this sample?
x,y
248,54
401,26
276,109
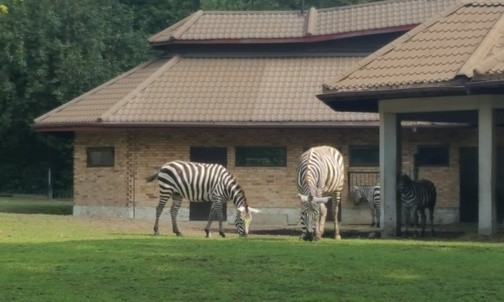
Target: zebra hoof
x,y
337,237
222,234
179,234
207,233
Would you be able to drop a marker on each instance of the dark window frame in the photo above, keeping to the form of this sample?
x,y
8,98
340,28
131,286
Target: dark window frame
x,y
362,163
89,159
431,160
241,162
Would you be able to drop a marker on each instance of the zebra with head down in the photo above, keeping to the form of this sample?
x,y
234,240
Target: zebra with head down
x,y
201,182
320,175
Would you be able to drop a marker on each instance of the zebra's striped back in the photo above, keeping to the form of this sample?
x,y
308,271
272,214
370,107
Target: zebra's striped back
x,y
320,172
366,193
200,182
421,194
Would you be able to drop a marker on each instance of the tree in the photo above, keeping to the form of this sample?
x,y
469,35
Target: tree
x,y
50,52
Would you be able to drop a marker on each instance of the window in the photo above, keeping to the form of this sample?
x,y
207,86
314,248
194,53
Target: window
x,y
432,156
100,156
211,155
364,156
261,156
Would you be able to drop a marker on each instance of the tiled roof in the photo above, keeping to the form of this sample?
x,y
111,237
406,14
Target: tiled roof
x,y
464,40
211,90
347,20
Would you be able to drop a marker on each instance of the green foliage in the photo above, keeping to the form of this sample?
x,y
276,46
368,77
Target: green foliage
x,y
64,258
50,52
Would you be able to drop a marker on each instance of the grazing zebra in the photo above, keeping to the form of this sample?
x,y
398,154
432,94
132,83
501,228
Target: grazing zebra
x,y
320,175
416,196
201,182
370,194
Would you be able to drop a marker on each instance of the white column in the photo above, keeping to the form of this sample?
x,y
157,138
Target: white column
x,y
487,213
389,155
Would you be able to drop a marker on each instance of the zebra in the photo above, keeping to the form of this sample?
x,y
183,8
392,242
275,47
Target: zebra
x,y
320,173
201,182
416,196
371,194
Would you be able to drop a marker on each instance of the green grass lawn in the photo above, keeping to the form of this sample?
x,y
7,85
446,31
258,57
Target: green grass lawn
x,y
63,258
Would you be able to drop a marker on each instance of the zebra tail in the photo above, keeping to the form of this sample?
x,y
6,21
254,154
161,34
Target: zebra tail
x,y
152,177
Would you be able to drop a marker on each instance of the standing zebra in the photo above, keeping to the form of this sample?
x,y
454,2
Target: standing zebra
x,y
201,182
416,196
370,194
320,173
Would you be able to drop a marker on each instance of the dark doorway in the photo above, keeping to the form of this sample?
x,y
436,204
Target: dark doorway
x,y
468,188
199,211
469,184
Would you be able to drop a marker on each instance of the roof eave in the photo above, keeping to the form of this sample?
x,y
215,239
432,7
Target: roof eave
x,y
367,100
67,127
304,39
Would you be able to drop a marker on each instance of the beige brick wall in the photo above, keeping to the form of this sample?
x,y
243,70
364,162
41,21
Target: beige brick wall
x,y
264,187
100,185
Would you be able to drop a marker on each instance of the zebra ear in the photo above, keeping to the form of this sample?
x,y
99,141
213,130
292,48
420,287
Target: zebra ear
x,y
321,199
303,198
252,210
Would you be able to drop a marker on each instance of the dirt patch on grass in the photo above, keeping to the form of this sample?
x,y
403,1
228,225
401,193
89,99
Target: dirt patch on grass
x,y
452,232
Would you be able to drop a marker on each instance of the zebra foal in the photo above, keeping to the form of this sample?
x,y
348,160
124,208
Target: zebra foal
x,y
416,197
319,178
201,182
370,194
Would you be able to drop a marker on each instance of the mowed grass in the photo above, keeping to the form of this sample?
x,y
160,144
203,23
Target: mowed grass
x,y
63,258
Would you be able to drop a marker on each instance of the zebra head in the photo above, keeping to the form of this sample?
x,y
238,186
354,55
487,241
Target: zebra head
x,y
403,181
243,219
310,212
357,194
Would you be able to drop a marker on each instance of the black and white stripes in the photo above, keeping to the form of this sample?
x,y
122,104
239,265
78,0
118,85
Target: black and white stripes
x,y
370,194
201,182
416,196
320,174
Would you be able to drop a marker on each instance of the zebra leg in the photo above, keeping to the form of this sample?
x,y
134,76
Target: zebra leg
x,y
423,220
373,215
336,202
431,217
377,215
159,209
215,214
319,232
177,201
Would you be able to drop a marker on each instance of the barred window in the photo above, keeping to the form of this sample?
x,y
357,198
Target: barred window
x,y
100,156
261,156
364,156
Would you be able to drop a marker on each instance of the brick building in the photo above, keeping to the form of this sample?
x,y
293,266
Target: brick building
x,y
240,88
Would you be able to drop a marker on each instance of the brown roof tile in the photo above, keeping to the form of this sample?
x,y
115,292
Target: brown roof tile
x,y
218,90
440,50
240,25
